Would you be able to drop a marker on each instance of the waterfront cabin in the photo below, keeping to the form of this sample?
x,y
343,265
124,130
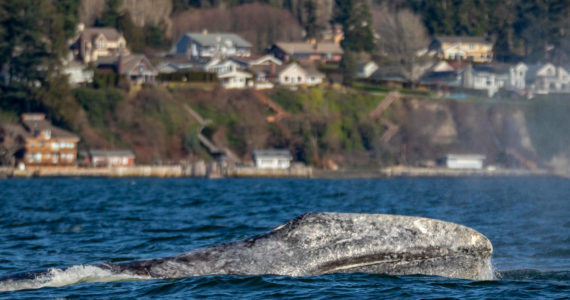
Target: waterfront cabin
x,y
464,161
272,159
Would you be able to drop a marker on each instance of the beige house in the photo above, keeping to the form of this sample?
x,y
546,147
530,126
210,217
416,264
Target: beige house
x,y
294,75
471,48
96,42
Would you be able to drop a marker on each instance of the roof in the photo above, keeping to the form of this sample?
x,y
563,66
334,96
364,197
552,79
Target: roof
x,y
129,62
111,153
213,39
300,47
493,68
466,156
463,39
56,132
109,33
272,153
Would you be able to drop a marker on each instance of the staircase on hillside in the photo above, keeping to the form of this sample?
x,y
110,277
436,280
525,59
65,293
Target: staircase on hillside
x,y
280,113
215,151
392,128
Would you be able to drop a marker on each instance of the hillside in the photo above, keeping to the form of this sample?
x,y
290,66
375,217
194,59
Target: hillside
x,y
322,127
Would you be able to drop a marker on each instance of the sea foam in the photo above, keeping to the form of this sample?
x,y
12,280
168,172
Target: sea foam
x,y
60,277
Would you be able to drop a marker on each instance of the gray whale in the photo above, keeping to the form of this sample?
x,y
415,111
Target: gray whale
x,y
314,244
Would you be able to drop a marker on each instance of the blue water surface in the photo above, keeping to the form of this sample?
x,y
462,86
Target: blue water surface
x,y
63,222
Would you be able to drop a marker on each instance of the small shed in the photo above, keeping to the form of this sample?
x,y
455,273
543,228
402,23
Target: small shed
x,y
464,161
111,158
272,159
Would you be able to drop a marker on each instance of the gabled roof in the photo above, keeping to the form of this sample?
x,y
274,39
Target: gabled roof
x,y
272,153
214,39
462,39
129,62
302,48
255,60
56,132
111,34
110,153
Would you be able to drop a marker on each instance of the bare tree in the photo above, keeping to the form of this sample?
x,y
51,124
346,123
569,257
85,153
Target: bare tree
x,y
10,143
402,39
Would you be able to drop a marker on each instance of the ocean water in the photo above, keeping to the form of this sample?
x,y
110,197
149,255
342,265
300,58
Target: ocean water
x,y
53,223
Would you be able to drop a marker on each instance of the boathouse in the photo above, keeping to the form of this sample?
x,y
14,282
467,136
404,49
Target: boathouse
x,y
464,161
272,159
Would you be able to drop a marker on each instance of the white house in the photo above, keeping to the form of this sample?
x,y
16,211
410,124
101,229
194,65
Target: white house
x,y
547,79
464,161
294,75
204,44
272,159
493,77
235,79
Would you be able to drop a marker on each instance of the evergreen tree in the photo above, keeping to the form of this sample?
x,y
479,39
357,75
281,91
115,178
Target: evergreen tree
x,y
312,26
356,20
349,67
110,15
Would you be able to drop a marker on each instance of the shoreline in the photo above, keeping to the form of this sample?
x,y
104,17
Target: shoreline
x,y
214,172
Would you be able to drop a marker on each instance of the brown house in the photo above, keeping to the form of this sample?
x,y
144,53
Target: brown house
x,y
307,52
47,145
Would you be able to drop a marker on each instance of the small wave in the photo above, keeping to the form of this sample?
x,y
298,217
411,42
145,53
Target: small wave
x,y
531,274
61,277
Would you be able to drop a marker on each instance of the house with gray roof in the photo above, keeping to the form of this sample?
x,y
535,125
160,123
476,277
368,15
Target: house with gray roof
x,y
204,44
135,67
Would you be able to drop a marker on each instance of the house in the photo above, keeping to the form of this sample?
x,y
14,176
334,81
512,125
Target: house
x,y
235,79
47,145
366,69
307,52
136,68
272,159
464,161
96,42
110,158
295,75
204,44
471,48
546,79
491,78
264,69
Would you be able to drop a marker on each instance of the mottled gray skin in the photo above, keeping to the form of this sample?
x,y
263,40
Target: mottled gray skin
x,y
321,243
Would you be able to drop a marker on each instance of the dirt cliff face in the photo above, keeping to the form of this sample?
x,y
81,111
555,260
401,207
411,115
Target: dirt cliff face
x,y
430,129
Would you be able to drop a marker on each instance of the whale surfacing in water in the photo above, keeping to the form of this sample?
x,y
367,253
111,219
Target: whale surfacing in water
x,y
323,243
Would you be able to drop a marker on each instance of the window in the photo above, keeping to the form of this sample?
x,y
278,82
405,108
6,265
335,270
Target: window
x,y
286,78
100,43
